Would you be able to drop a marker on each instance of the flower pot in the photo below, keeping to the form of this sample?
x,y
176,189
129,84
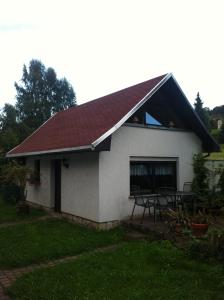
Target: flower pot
x,y
199,230
178,228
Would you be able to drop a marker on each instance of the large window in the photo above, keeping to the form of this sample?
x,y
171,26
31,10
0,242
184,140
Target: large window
x,y
151,175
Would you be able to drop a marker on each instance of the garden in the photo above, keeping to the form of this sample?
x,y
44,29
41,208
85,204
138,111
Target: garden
x,y
188,266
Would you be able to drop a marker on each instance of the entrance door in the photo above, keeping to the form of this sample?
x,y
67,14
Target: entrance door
x,y
57,185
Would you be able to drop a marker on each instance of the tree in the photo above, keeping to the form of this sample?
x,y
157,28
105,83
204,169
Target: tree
x,y
221,134
8,117
202,112
41,94
9,137
200,180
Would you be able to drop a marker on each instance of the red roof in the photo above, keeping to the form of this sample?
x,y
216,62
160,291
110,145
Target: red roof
x,y
84,124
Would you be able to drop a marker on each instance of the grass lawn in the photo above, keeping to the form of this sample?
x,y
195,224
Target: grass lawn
x,y
217,155
25,244
136,270
8,213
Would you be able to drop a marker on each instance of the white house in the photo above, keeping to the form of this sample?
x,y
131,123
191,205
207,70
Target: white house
x,y
91,157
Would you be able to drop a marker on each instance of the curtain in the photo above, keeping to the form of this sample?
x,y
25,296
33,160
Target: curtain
x,y
164,170
140,170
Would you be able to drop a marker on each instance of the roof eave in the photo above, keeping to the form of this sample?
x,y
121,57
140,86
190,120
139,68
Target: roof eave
x,y
53,151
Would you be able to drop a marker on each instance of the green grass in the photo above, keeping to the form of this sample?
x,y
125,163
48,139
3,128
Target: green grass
x,y
217,155
8,213
137,270
40,241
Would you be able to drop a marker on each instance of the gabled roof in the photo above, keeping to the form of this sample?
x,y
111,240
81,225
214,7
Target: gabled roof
x,y
86,126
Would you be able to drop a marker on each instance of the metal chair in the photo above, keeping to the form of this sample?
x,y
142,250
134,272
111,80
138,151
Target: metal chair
x,y
164,191
143,201
164,203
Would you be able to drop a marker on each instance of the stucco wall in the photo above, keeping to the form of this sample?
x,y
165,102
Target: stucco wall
x,y
80,186
127,142
41,194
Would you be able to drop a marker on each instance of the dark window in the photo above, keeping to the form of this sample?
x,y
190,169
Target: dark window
x,y
37,169
150,176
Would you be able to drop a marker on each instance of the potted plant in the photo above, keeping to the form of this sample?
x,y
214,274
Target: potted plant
x,y
199,224
177,220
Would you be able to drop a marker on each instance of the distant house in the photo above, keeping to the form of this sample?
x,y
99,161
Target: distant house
x,y
219,124
91,157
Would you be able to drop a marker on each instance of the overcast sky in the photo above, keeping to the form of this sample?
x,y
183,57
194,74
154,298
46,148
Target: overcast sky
x,y
102,46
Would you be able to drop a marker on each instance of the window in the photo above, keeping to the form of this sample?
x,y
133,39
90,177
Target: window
x,y
150,120
37,170
151,175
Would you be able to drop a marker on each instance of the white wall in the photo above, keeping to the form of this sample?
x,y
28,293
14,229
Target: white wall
x,y
41,194
80,186
127,142
96,186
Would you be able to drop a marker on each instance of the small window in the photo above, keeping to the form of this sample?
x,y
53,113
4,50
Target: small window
x,y
149,120
37,169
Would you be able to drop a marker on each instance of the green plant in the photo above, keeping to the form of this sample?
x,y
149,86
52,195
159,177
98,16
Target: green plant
x,y
178,217
211,247
200,218
221,182
15,173
200,180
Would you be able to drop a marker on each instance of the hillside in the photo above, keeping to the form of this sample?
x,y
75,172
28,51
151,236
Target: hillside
x,y
217,155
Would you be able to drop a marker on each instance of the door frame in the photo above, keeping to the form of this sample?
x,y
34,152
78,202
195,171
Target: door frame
x,y
57,185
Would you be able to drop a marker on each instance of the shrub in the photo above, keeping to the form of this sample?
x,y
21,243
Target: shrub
x,y
211,247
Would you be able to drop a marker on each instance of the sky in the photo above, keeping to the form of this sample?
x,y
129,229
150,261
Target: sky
x,y
102,46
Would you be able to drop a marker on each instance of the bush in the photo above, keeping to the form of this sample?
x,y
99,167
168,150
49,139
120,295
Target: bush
x,y
211,247
10,193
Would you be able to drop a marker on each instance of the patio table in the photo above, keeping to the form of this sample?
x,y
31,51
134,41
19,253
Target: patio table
x,y
178,197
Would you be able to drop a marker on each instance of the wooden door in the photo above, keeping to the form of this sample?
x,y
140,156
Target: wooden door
x,y
57,184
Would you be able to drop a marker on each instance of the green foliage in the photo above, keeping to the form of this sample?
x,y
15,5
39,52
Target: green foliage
x,y
221,182
8,117
16,174
41,94
221,134
200,180
208,248
217,155
137,270
215,134
202,112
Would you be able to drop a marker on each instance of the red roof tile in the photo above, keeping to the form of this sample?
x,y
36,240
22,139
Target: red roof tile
x,y
83,124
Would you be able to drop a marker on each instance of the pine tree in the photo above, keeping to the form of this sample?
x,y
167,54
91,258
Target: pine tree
x,y
202,112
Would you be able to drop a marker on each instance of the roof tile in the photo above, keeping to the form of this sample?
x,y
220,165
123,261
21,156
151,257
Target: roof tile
x,y
83,124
